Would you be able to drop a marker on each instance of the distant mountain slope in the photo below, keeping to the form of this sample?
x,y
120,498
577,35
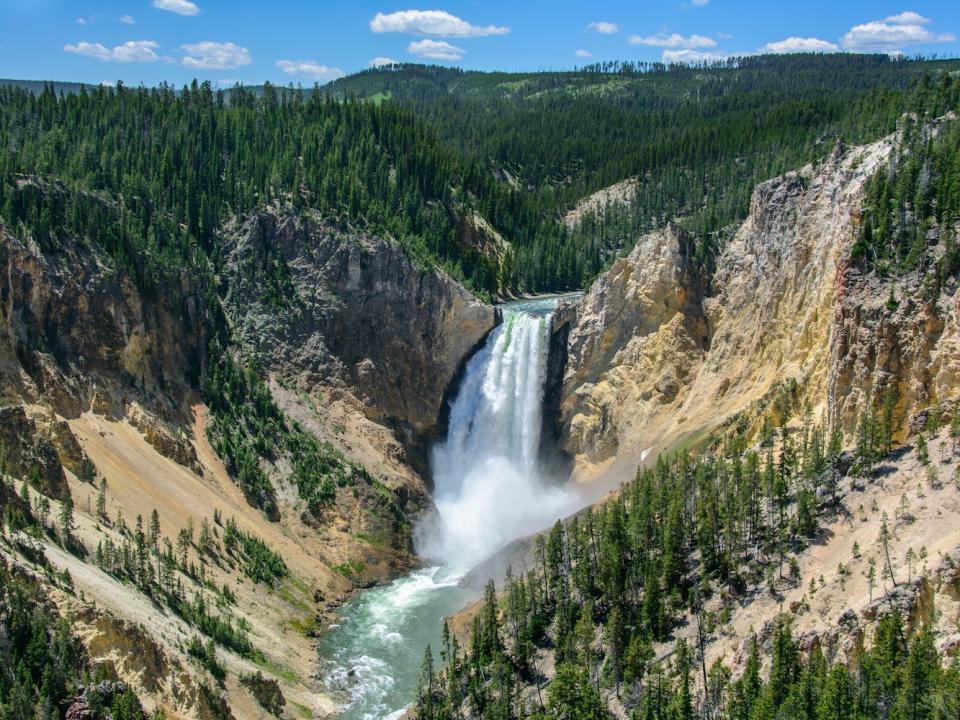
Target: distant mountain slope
x,y
698,139
37,86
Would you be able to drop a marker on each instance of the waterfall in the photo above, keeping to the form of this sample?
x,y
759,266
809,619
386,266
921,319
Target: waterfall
x,y
488,484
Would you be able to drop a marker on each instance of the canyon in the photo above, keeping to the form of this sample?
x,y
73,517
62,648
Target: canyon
x,y
451,428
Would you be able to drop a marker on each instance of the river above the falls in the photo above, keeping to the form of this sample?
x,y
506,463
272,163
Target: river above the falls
x,y
489,489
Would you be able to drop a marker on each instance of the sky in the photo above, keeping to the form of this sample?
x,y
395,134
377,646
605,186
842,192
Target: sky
x,y
308,41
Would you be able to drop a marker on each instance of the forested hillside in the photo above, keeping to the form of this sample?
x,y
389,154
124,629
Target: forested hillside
x,y
439,144
174,166
697,138
620,607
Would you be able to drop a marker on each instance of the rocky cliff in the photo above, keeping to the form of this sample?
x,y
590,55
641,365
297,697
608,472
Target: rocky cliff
x,y
634,340
77,334
654,359
351,316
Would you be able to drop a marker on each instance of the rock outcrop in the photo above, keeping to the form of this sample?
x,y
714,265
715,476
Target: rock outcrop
x,y
653,359
76,333
633,341
353,315
910,348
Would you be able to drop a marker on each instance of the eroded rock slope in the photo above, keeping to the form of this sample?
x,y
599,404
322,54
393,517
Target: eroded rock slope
x,y
656,358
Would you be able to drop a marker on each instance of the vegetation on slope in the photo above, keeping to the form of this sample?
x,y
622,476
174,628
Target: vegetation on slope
x,y
176,164
915,202
697,138
611,586
43,665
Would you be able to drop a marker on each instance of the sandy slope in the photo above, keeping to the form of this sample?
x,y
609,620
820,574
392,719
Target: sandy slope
x,y
138,480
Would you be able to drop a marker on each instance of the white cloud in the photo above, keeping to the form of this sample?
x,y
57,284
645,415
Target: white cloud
x,y
438,23
892,34
604,28
800,45
676,40
127,19
908,18
699,3
310,69
130,51
209,55
81,21
436,50
689,57
381,61
583,54
136,51
180,7
95,50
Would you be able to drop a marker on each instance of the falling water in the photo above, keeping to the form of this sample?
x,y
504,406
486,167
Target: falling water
x,y
488,490
488,487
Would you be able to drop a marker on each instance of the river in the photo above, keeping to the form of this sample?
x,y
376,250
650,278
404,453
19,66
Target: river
x,y
489,489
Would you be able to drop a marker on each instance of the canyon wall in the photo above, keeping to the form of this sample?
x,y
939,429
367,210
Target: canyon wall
x,y
102,395
656,359
357,317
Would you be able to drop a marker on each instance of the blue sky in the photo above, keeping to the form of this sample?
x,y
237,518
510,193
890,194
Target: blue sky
x,y
149,41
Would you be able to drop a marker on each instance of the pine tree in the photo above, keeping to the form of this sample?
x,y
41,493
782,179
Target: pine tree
x,y
66,519
102,500
836,702
153,538
923,453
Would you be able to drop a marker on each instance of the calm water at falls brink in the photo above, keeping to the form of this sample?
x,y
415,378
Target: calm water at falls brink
x,y
488,489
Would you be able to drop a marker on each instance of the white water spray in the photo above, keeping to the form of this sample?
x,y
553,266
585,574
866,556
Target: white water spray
x,y
488,484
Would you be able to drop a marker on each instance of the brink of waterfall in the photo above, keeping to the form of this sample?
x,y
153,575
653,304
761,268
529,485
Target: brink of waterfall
x,y
489,487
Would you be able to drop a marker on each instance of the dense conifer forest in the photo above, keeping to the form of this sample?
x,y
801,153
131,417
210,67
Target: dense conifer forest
x,y
697,138
43,665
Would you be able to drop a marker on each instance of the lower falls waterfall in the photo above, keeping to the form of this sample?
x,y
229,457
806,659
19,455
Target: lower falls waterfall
x,y
488,490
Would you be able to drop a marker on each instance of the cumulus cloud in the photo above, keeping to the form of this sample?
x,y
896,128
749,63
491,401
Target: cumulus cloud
x,y
209,55
690,57
310,69
130,51
604,28
381,61
583,54
127,19
436,50
800,45
892,34
676,40
180,7
438,23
